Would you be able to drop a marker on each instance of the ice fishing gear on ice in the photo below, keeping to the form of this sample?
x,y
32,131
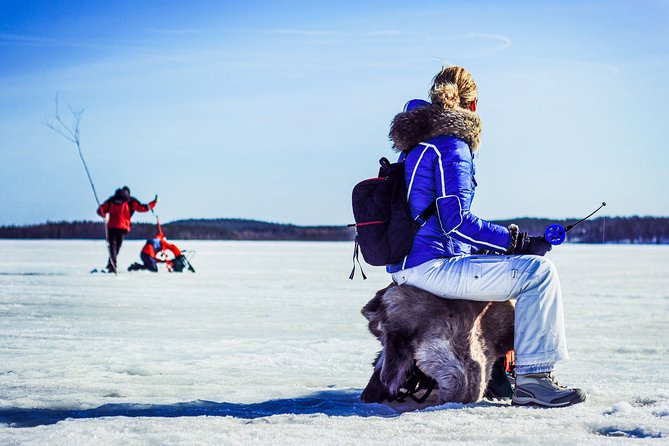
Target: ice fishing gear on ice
x,y
384,226
556,234
180,263
177,262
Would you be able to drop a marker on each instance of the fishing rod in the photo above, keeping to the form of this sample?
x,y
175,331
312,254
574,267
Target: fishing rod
x,y
163,250
160,228
164,254
556,234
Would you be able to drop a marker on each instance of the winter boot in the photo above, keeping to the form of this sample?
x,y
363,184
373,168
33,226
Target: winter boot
x,y
541,389
135,267
499,386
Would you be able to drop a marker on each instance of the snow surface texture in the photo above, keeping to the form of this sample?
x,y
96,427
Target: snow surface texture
x,y
265,344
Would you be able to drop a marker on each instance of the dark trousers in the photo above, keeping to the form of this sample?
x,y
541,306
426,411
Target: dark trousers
x,y
149,262
115,238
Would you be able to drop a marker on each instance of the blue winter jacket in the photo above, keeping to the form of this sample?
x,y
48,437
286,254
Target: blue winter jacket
x,y
441,167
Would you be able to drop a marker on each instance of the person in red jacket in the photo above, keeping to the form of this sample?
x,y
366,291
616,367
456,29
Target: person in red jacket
x,y
117,212
154,251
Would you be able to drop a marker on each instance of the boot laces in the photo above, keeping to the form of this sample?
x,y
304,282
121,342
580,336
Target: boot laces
x,y
550,376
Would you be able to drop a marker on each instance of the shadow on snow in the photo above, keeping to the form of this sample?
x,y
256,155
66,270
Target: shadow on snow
x,y
332,403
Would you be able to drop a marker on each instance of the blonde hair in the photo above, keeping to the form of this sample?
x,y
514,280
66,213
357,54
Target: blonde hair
x,y
453,87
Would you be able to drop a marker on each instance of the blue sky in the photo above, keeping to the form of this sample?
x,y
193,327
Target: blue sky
x,y
273,110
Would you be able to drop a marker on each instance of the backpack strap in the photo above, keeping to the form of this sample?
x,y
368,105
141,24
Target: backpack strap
x,y
422,218
356,251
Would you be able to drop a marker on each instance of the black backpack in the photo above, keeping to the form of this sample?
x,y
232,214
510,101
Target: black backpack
x,y
384,227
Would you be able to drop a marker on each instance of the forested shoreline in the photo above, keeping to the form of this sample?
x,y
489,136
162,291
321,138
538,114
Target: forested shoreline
x,y
625,230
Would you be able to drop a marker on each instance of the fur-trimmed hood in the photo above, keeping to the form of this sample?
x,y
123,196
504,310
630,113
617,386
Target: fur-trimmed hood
x,y
423,123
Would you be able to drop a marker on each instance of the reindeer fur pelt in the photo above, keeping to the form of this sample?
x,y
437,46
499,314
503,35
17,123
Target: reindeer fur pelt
x,y
454,342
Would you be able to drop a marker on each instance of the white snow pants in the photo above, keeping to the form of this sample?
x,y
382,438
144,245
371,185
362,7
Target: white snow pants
x,y
531,280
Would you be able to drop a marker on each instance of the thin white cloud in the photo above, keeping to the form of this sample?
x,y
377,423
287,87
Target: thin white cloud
x,y
502,42
183,31
18,39
475,45
35,41
282,31
611,70
385,32
295,32
300,32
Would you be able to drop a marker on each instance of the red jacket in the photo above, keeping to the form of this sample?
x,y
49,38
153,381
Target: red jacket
x,y
120,211
157,244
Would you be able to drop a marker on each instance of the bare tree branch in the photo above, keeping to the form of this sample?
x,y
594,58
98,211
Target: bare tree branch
x,y
71,133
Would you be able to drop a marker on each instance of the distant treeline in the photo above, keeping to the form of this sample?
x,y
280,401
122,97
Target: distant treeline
x,y
654,230
201,229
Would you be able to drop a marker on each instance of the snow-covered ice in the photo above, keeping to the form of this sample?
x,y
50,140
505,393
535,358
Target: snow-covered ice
x,y
265,344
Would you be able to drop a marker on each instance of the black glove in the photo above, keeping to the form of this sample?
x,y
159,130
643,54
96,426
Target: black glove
x,y
536,245
522,243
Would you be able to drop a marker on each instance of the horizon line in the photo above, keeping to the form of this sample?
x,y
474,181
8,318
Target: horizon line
x,y
50,222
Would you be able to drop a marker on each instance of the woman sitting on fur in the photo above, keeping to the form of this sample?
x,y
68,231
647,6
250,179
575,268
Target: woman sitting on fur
x,y
438,141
